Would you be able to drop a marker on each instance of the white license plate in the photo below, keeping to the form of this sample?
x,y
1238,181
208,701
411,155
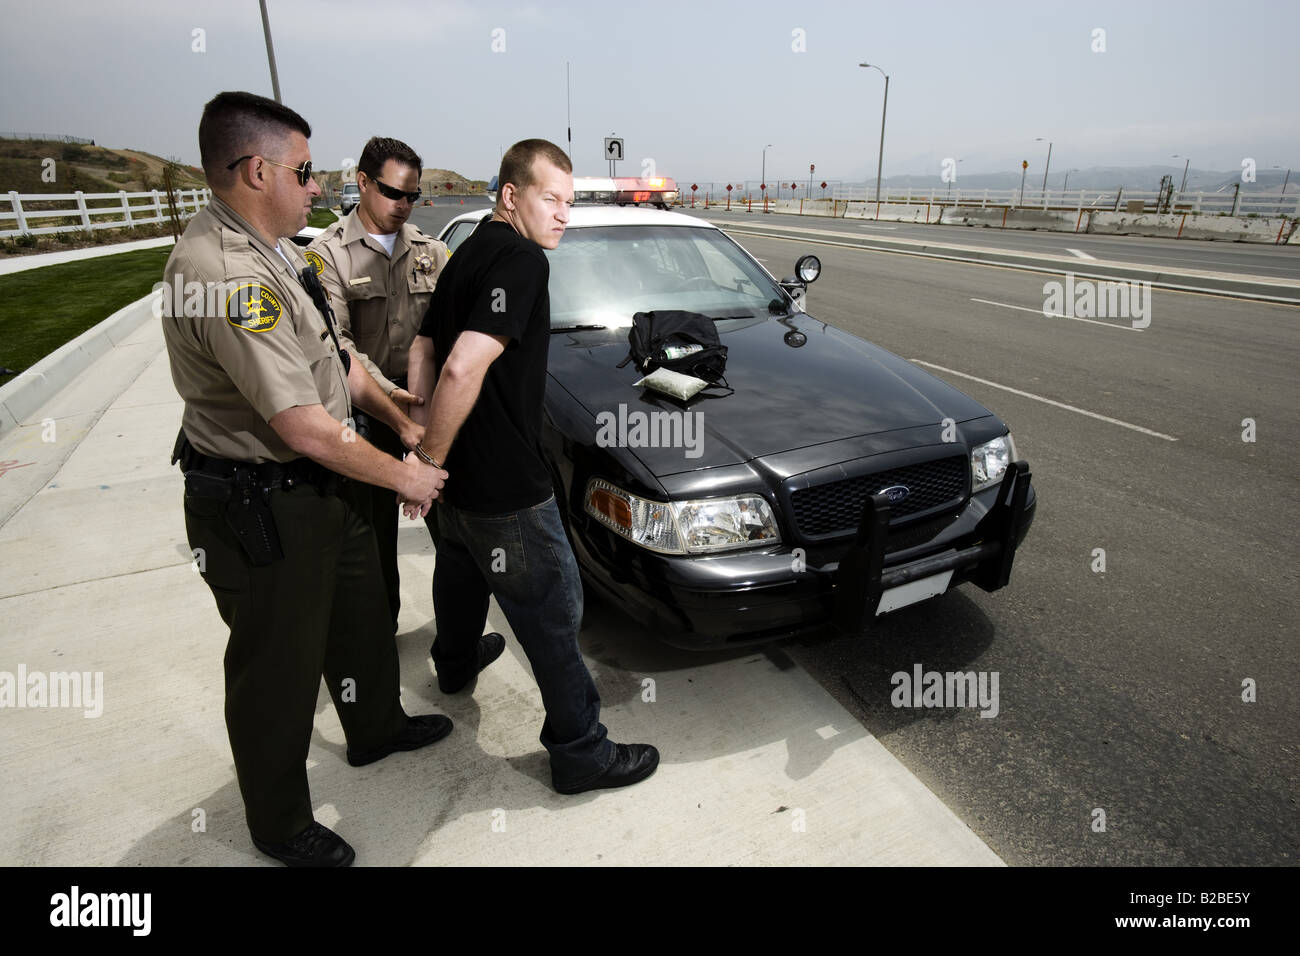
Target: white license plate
x,y
913,591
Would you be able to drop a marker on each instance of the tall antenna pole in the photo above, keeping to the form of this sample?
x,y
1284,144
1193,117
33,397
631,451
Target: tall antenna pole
x,y
568,114
270,52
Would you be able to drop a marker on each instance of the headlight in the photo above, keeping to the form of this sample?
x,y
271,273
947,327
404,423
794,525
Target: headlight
x,y
988,462
683,527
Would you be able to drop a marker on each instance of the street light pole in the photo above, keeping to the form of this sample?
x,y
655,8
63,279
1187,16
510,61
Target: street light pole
x,y
1048,165
1185,165
1285,180
880,159
270,53
762,183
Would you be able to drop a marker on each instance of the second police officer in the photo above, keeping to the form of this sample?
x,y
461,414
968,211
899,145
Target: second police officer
x,y
380,271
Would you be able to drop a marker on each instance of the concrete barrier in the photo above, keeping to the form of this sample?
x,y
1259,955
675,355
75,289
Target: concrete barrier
x,y
1273,229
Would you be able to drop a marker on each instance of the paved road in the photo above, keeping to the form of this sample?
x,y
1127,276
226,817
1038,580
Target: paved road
x,y
1120,690
1252,258
431,219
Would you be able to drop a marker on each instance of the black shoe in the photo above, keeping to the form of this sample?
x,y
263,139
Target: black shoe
x,y
490,647
632,764
314,846
420,732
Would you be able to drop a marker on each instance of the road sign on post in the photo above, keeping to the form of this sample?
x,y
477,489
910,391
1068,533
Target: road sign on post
x,y
613,151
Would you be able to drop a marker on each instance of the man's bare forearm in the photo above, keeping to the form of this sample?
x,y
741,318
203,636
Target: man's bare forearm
x,y
421,373
458,387
311,431
453,400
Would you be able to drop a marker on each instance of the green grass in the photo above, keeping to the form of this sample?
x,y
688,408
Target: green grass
x,y
320,218
40,309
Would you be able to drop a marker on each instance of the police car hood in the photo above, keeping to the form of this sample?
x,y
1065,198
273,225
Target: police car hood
x,y
832,387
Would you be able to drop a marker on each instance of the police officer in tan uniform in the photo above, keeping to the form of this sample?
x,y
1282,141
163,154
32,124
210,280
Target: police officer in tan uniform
x,y
380,271
265,446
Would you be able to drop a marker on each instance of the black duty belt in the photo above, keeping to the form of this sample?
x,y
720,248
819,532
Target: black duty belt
x,y
268,474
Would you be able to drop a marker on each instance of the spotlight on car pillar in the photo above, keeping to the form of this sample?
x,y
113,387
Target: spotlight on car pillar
x,y
808,268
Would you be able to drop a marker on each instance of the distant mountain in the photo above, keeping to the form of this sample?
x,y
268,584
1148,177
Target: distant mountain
x,y
85,167
432,182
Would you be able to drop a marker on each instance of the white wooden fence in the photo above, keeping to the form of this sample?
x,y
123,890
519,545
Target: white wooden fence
x,y
94,210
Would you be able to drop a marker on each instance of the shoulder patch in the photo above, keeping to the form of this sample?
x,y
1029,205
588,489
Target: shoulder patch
x,y
253,307
314,259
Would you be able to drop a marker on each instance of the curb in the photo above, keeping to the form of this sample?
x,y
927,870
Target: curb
x,y
1258,288
35,386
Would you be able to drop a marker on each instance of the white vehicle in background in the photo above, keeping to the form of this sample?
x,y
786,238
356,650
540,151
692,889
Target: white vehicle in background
x,y
351,197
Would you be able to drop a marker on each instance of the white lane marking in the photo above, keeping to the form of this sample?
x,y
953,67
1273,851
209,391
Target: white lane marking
x,y
1048,401
1081,254
1057,315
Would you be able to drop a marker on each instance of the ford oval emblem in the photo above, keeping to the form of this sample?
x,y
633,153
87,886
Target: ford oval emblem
x,y
895,493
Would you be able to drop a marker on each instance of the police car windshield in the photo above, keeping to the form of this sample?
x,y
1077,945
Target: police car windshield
x,y
606,274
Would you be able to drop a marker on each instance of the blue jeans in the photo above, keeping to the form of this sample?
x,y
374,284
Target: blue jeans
x,y
524,560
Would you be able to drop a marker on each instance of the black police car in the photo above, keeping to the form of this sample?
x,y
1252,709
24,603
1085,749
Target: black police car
x,y
836,482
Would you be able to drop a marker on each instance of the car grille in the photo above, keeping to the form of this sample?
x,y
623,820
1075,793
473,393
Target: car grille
x,y
836,507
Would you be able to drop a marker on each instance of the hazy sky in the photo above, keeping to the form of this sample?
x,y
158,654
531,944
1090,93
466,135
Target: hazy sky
x,y
699,88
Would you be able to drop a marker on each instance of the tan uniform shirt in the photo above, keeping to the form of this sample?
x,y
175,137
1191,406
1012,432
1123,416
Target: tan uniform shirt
x,y
379,301
244,338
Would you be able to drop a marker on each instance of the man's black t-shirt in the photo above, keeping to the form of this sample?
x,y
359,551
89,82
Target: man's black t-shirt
x,y
496,283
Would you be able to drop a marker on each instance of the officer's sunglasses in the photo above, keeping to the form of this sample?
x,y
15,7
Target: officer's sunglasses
x,y
303,171
389,192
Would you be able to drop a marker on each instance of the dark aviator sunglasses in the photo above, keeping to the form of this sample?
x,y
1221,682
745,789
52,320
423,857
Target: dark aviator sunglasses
x,y
303,171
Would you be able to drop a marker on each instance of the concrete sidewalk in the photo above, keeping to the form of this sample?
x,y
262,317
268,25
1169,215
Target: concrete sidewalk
x,y
760,764
14,264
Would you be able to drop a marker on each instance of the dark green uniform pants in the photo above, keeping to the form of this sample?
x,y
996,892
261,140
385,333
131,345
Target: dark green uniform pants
x,y
378,505
319,609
